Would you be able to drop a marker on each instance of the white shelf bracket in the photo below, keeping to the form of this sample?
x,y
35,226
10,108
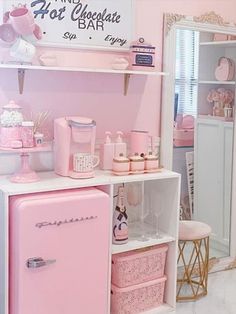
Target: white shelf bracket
x,y
21,79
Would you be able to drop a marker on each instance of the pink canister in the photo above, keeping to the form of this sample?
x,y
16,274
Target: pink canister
x,y
151,161
121,164
10,124
27,133
139,142
136,163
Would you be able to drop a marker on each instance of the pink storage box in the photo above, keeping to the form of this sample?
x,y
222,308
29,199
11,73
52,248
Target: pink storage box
x,y
131,268
138,298
184,131
183,137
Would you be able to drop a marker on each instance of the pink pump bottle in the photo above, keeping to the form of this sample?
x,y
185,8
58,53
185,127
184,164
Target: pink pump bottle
x,y
120,146
107,153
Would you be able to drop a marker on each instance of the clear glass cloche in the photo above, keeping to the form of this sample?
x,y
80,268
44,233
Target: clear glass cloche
x,y
11,115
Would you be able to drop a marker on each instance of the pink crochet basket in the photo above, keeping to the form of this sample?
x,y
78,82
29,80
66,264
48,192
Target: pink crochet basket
x,y
138,298
134,267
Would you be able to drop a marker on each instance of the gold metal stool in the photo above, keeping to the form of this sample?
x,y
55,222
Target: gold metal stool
x,y
192,260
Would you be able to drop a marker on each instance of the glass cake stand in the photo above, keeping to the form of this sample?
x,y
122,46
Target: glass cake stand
x,y
25,174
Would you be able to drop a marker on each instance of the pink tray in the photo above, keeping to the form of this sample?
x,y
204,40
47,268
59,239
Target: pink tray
x,y
138,266
44,148
123,173
138,298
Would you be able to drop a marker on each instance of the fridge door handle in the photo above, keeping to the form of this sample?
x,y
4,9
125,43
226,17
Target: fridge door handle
x,y
36,262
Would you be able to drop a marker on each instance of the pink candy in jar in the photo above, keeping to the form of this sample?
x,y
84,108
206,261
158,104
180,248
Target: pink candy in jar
x,y
10,124
27,133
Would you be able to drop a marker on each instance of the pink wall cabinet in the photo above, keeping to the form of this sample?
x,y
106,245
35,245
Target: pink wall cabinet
x,y
59,252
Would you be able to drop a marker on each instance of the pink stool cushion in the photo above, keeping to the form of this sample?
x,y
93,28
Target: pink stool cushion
x,y
193,230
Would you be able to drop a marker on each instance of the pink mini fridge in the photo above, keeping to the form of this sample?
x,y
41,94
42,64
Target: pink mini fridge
x,y
59,252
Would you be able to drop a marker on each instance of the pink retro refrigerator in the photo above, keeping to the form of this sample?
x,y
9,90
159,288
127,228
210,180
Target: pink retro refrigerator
x,y
59,252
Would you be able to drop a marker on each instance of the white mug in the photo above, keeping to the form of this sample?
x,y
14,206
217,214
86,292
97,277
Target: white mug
x,y
22,50
84,162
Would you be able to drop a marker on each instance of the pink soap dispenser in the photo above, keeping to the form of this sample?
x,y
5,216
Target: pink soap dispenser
x,y
120,220
107,153
120,146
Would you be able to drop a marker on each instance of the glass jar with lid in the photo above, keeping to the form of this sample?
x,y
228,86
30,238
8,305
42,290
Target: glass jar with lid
x,y
10,121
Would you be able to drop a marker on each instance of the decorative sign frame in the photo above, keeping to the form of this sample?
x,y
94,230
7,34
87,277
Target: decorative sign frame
x,y
92,24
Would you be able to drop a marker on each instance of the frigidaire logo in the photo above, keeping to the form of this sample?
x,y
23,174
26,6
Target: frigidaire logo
x,y
58,223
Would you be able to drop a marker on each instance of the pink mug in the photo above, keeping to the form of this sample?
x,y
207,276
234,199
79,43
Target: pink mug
x,y
7,33
22,21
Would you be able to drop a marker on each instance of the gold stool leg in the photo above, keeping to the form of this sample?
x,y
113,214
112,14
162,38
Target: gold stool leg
x,y
195,270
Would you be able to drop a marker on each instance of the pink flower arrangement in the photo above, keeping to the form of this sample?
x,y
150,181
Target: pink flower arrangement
x,y
221,95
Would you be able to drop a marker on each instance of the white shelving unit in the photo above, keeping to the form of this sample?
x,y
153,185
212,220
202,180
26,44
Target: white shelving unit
x,y
21,68
166,184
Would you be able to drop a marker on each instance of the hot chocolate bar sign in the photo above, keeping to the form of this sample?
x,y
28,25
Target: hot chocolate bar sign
x,y
77,23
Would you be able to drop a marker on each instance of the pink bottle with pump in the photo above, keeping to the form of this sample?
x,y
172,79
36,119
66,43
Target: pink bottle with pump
x,y
107,153
120,145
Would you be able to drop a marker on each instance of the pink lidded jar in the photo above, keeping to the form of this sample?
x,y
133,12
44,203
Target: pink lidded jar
x,y
38,139
151,161
136,163
27,133
10,124
121,164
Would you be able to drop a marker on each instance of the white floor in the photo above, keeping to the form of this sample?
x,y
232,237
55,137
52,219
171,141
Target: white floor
x,y
221,298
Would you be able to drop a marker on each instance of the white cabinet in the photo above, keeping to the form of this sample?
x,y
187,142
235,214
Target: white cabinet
x,y
212,173
162,191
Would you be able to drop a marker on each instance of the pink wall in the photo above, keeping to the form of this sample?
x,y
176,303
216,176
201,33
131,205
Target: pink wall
x,y
100,96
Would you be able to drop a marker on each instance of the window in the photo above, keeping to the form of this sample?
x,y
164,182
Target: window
x,y
186,75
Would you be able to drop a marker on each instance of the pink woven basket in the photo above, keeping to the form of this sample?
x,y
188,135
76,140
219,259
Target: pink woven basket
x,y
134,267
138,298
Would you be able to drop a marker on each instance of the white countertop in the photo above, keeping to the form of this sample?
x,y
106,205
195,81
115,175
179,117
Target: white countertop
x,y
51,182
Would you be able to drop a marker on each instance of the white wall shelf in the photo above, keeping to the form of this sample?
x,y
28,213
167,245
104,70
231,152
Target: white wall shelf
x,y
217,82
127,73
226,43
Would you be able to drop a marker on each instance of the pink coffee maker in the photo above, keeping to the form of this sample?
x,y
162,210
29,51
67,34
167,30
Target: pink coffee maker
x,y
74,145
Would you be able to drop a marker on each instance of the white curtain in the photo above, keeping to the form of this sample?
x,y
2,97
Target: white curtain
x,y
187,59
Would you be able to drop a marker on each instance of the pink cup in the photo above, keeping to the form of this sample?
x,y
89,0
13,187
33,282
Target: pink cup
x,y
7,33
22,21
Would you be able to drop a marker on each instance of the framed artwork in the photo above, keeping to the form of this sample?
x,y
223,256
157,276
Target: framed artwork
x,y
81,23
